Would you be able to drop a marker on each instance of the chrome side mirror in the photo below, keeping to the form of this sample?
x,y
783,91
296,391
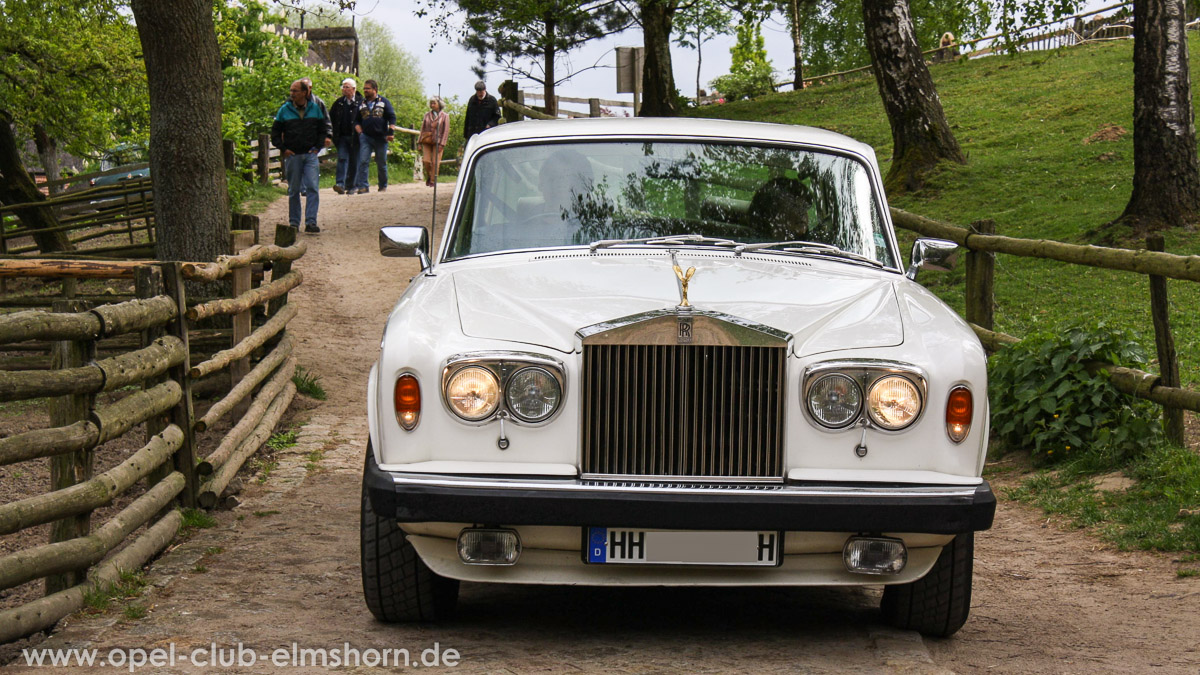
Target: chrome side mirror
x,y
932,254
405,241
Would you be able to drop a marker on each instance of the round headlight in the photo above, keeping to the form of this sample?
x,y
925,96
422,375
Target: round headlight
x,y
473,393
834,400
533,394
893,402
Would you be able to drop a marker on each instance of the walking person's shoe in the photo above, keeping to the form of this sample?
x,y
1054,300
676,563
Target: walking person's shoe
x,y
382,188
339,189
312,228
363,191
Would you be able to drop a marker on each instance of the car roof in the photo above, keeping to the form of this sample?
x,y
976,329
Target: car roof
x,y
669,126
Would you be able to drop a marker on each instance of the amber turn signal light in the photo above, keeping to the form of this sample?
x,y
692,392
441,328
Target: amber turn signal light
x,y
959,408
407,400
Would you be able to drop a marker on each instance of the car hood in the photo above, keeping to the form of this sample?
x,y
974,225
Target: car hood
x,y
543,299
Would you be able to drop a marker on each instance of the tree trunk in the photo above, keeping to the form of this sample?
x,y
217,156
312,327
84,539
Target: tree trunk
x,y
1166,180
920,134
551,53
658,80
797,45
699,59
16,187
47,149
183,69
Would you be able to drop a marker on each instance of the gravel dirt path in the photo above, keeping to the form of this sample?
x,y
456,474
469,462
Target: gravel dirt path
x,y
282,568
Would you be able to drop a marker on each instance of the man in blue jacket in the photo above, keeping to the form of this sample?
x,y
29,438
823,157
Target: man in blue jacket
x,y
300,130
376,117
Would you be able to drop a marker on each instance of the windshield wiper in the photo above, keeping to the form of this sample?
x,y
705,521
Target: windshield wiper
x,y
806,247
678,240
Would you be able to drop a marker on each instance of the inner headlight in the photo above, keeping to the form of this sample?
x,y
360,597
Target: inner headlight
x,y
834,400
473,393
893,402
533,394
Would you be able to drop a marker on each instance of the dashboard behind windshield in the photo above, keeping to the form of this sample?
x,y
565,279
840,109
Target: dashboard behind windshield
x,y
569,194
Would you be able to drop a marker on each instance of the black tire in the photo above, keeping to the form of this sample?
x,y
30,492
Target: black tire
x,y
397,585
938,603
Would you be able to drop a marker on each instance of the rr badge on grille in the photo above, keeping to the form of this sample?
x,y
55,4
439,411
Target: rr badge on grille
x,y
685,330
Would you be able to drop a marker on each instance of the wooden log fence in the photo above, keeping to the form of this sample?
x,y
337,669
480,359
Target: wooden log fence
x,y
152,341
125,208
981,244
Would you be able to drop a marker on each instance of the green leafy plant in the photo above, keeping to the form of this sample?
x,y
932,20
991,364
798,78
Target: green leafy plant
x,y
282,440
196,519
308,383
1043,396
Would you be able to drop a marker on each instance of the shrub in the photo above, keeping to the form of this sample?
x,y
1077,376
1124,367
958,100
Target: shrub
x,y
1044,398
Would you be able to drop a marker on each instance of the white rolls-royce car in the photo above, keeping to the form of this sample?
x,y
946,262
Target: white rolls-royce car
x,y
673,352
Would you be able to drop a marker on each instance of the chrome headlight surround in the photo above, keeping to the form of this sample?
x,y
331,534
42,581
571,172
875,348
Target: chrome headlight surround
x,y
503,366
865,373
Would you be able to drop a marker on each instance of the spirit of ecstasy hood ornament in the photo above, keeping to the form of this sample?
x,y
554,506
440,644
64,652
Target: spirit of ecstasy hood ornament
x,y
684,279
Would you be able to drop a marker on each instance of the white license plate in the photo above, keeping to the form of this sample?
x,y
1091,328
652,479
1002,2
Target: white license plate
x,y
682,547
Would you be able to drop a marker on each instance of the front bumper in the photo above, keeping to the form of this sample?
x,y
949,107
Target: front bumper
x,y
932,509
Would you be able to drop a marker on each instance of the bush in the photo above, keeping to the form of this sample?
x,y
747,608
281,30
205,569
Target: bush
x,y
754,80
1043,397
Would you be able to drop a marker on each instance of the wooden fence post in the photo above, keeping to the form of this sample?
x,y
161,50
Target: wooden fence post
x,y
148,283
241,240
182,415
521,101
227,148
264,159
285,235
1164,341
73,467
593,107
508,90
981,268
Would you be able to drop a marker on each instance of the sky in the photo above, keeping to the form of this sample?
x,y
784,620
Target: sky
x,y
450,66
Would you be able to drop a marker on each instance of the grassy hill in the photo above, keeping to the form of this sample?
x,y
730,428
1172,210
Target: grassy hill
x,y
1023,122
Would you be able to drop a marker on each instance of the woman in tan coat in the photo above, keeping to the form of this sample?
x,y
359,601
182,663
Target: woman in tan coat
x,y
435,129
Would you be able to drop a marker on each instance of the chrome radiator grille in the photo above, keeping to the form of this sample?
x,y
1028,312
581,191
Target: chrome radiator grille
x,y
683,410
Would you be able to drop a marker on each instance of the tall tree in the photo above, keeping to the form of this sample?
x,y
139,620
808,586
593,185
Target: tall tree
x,y
921,137
795,15
1166,179
183,67
658,78
528,38
698,23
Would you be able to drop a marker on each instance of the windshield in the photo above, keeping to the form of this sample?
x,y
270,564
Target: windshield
x,y
567,194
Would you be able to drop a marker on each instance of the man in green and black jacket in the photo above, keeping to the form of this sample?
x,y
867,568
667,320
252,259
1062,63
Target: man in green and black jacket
x,y
300,130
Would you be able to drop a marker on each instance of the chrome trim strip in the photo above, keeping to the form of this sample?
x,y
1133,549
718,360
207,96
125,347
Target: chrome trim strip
x,y
574,485
622,322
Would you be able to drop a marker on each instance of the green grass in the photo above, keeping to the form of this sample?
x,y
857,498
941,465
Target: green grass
x,y
1145,516
261,197
134,611
314,460
1022,122
282,440
308,383
196,519
264,467
264,514
100,597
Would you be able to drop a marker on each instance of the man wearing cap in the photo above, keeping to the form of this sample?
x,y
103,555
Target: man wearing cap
x,y
344,115
483,112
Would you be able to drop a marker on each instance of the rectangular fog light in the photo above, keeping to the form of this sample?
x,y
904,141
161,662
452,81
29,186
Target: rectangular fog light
x,y
479,546
874,555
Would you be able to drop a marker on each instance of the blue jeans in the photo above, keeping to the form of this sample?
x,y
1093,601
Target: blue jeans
x,y
367,145
347,161
303,170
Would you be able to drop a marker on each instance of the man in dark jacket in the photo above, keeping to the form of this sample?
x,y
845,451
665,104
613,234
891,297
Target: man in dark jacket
x,y
483,112
344,116
300,130
376,117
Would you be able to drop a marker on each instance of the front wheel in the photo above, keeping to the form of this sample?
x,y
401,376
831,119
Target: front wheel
x,y
397,584
937,604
